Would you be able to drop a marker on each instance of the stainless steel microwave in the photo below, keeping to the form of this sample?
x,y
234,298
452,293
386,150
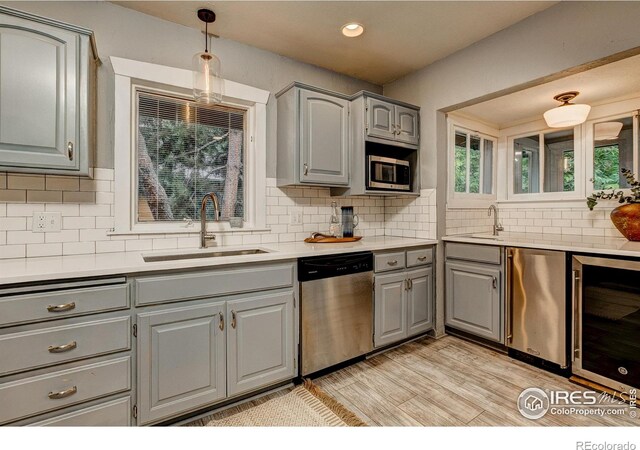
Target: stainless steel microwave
x,y
388,174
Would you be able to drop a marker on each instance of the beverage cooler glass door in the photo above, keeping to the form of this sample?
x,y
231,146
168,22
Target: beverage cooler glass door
x,y
606,338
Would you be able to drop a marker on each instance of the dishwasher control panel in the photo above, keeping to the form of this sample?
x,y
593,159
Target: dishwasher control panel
x,y
319,267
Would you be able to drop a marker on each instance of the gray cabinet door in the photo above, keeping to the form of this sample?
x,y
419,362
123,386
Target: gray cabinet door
x,y
390,322
260,341
420,301
380,119
473,299
407,126
38,95
181,360
324,139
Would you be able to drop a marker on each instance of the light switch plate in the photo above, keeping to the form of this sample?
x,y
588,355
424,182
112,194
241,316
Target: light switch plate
x,y
295,217
46,222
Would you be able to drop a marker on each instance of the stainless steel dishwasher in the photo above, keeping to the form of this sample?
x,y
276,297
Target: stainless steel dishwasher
x,y
336,309
536,315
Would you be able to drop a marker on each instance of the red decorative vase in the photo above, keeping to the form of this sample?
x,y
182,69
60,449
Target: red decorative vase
x,y
626,218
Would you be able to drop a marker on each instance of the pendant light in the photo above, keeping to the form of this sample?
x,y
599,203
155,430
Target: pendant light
x,y
567,114
208,84
606,131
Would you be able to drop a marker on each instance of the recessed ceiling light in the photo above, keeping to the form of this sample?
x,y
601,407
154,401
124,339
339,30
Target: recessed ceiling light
x,y
352,29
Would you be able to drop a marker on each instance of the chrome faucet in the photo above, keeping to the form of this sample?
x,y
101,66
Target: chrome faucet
x,y
497,226
204,235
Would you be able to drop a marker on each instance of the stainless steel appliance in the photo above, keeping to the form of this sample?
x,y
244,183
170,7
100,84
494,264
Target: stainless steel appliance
x,y
336,309
536,306
388,174
606,321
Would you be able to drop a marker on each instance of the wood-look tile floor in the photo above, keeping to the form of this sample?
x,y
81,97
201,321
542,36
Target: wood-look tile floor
x,y
448,382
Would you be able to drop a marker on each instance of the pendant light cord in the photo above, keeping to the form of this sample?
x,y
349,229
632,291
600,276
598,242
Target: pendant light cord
x,y
206,35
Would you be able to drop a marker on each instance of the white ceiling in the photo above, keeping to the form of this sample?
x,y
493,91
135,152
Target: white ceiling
x,y
616,80
400,36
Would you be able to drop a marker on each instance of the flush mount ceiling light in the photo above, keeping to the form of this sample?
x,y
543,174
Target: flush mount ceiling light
x,y
606,131
567,114
352,29
208,84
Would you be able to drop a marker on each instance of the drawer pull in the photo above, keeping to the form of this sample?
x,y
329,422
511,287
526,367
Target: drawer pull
x,y
63,394
62,348
61,308
393,263
422,258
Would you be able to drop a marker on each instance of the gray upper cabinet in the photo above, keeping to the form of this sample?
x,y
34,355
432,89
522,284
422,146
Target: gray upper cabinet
x,y
313,137
181,360
473,299
47,73
406,125
260,342
392,122
381,119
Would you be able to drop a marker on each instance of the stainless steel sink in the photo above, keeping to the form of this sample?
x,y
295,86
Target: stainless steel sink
x,y
214,254
484,236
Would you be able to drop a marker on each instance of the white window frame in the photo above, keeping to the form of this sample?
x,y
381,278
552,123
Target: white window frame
x,y
578,168
468,199
132,75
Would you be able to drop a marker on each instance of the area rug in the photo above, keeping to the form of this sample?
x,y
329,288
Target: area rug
x,y
303,406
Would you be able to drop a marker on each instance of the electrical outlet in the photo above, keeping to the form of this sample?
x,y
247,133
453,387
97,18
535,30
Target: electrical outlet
x,y
46,222
295,217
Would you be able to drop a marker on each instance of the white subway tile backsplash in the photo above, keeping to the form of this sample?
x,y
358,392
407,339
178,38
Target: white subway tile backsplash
x,y
110,246
76,223
59,183
34,182
35,250
13,223
78,197
78,248
13,251
24,237
13,196
62,236
44,197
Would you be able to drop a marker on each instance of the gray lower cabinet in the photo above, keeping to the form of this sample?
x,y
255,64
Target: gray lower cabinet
x,y
47,72
260,341
403,305
473,298
181,360
419,301
313,137
390,322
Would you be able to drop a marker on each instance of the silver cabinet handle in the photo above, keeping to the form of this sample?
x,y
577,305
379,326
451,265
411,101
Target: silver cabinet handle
x,y
61,308
509,300
63,348
221,324
422,258
70,151
306,169
63,394
495,283
575,297
393,263
233,319
406,284
410,283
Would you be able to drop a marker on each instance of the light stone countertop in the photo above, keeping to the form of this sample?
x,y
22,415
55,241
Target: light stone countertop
x,y
568,243
30,270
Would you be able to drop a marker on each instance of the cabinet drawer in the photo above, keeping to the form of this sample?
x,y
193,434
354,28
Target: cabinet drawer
x,y
115,413
39,347
35,395
158,289
389,261
17,309
420,257
472,252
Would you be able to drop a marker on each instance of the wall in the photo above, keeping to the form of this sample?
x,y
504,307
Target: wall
x,y
87,205
129,34
87,208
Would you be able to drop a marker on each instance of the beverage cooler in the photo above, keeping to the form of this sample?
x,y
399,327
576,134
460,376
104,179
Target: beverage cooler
x,y
606,312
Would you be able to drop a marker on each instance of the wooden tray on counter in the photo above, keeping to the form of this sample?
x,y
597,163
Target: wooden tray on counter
x,y
331,239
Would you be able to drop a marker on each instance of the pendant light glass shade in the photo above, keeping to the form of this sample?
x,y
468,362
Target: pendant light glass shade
x,y
606,131
567,114
208,84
